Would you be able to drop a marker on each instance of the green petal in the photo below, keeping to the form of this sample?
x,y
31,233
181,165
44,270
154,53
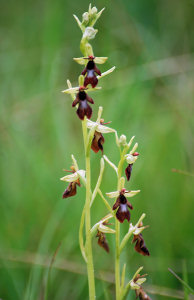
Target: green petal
x,y
113,194
71,90
131,193
81,80
104,129
106,73
81,173
70,178
81,60
140,281
100,60
105,229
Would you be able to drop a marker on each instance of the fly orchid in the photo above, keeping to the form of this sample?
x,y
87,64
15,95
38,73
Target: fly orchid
x,y
91,69
98,139
122,203
73,179
81,98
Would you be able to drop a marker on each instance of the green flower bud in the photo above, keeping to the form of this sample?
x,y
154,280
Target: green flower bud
x,y
94,10
90,33
122,140
85,18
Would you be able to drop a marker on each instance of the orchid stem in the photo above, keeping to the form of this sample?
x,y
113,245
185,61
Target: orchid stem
x,y
117,260
117,229
88,246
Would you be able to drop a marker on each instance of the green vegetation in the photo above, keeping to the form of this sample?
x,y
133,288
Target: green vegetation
x,y
150,94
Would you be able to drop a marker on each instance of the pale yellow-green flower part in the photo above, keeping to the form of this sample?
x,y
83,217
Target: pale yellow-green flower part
x,y
74,162
74,176
83,60
136,230
101,227
106,73
136,285
81,80
99,128
105,229
113,194
89,33
100,60
82,174
127,194
130,158
75,90
70,178
122,140
71,90
137,272
134,148
131,193
131,141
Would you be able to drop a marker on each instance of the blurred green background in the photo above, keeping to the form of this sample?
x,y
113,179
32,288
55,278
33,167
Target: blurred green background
x,y
150,95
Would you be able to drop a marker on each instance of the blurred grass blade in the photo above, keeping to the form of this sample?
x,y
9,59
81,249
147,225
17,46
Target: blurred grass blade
x,y
191,291
49,272
185,278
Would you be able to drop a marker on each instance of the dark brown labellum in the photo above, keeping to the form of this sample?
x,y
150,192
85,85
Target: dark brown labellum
x,y
102,242
90,71
70,190
123,208
140,245
142,294
128,171
84,108
97,142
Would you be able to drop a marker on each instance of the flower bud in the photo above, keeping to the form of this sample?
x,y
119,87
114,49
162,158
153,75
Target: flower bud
x,y
90,33
94,10
85,18
130,158
122,140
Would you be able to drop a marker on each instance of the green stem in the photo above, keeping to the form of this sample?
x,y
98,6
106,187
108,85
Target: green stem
x,y
117,229
117,260
88,247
